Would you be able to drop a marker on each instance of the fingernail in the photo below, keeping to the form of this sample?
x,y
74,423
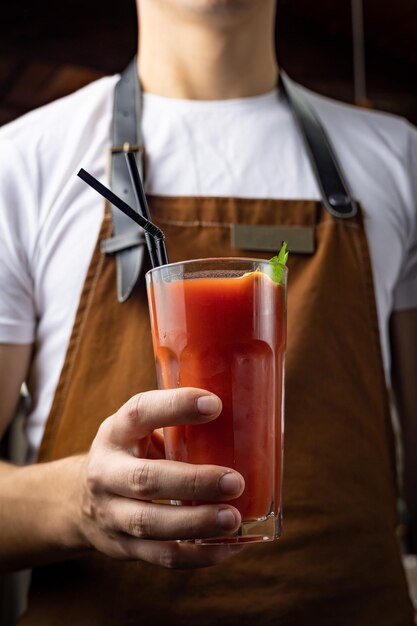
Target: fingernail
x,y
226,519
208,405
229,484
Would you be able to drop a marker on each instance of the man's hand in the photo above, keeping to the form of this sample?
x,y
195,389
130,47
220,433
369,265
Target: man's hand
x,y
106,500
119,515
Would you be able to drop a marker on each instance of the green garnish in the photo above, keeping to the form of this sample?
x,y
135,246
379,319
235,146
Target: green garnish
x,y
276,264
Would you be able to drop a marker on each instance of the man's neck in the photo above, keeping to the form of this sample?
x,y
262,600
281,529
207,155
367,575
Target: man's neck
x,y
207,58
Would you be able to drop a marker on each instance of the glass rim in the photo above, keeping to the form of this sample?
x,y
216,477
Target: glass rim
x,y
210,259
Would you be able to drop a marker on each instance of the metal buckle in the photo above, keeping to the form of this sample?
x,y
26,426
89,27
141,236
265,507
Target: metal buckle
x,y
127,147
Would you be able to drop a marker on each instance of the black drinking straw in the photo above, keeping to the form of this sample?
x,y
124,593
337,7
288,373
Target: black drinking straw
x,y
143,203
150,228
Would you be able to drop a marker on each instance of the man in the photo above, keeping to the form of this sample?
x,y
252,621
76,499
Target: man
x,y
221,147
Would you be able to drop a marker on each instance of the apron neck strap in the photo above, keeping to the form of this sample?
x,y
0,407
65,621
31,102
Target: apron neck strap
x,y
127,137
334,189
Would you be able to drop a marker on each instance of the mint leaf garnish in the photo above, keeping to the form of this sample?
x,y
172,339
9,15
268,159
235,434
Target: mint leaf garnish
x,y
277,263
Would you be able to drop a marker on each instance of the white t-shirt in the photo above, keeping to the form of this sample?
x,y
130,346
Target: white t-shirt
x,y
49,219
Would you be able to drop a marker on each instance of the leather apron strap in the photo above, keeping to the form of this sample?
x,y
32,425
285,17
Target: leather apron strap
x,y
129,246
335,192
130,251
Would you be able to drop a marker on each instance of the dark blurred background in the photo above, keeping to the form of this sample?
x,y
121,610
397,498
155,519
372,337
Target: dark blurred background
x,y
50,49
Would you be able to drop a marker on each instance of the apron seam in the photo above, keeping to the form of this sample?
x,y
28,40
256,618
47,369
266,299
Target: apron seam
x,y
67,375
372,317
205,224
83,320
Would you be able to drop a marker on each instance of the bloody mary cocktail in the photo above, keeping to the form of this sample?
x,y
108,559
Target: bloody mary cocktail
x,y
219,325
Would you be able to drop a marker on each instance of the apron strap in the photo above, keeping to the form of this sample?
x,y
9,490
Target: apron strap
x,y
127,137
335,192
129,245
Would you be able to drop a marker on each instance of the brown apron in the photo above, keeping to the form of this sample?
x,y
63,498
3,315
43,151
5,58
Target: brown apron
x,y
338,561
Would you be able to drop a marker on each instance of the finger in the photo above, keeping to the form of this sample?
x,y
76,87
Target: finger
x,y
145,479
151,410
172,555
145,520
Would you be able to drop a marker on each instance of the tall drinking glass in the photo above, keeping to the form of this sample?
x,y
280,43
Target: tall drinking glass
x,y
220,325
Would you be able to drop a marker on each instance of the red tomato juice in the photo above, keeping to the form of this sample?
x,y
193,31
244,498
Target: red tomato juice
x,y
227,335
